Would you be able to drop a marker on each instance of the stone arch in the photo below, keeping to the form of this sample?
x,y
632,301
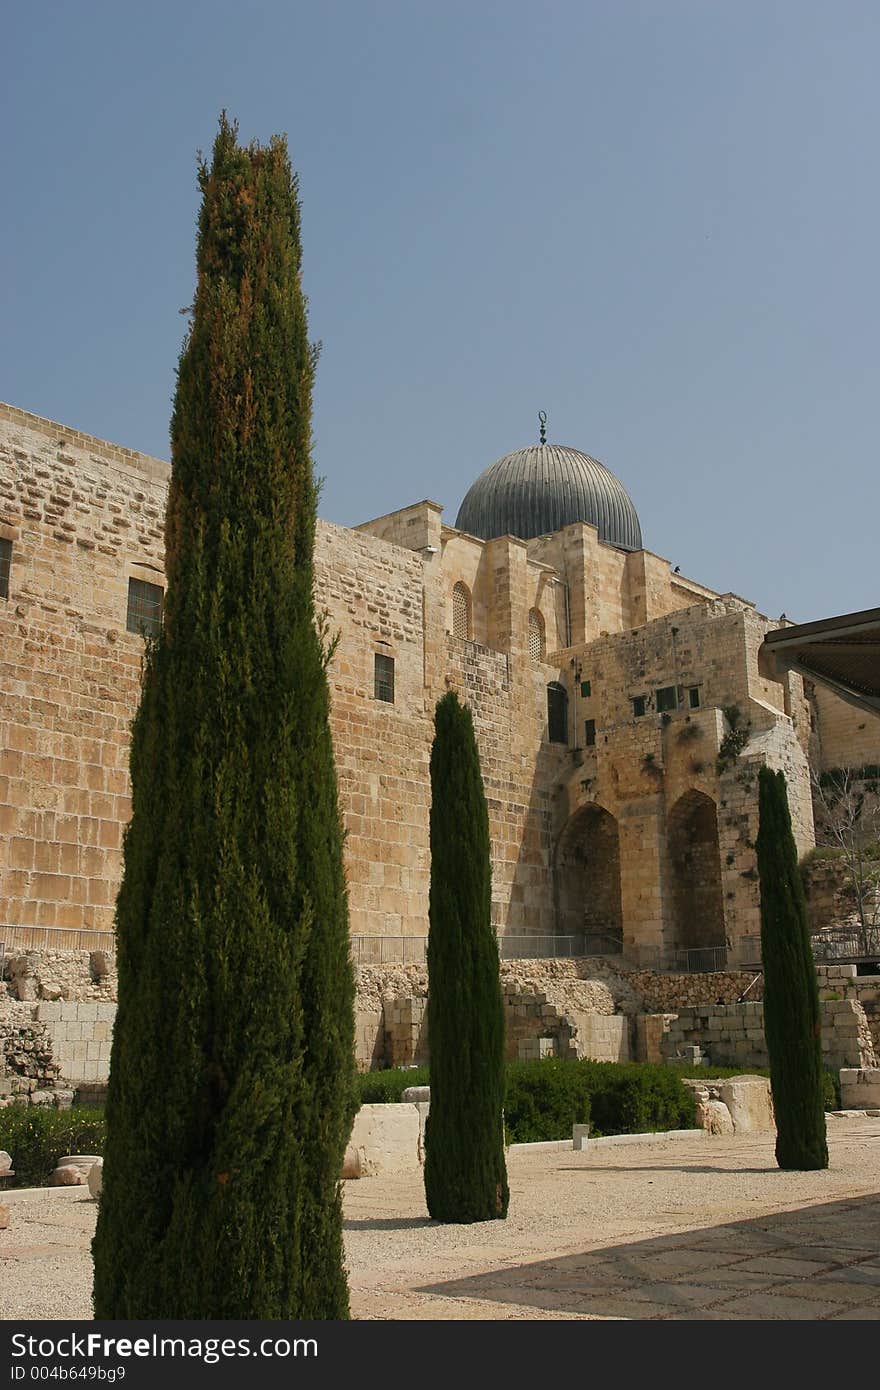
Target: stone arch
x,y
695,872
461,611
587,878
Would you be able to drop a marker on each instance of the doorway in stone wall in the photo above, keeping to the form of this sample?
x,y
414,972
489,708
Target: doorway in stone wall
x,y
587,881
695,872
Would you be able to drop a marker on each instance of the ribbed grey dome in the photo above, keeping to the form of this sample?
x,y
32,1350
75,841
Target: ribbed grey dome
x,y
543,488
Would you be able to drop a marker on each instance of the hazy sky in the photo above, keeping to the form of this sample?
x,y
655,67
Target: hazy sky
x,y
656,221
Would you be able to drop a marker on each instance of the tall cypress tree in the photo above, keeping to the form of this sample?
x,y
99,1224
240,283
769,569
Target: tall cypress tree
x,y
465,1173
792,1024
231,1089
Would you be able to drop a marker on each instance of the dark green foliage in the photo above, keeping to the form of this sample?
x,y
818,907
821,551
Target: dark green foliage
x,y
231,1090
465,1173
791,996
37,1137
544,1099
384,1087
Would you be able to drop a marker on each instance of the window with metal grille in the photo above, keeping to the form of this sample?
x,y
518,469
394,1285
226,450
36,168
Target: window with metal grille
x,y
5,567
144,607
639,705
461,611
589,733
383,678
667,698
557,713
536,635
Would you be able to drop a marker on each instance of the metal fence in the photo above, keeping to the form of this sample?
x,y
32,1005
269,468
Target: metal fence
x,y
55,939
847,945
697,960
535,946
389,950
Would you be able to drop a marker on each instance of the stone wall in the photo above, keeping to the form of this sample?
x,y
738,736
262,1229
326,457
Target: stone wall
x,y
83,517
27,1060
611,836
680,798
732,1035
848,737
81,1035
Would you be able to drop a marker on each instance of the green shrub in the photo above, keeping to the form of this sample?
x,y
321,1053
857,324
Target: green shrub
x,y
384,1087
36,1138
831,1089
544,1099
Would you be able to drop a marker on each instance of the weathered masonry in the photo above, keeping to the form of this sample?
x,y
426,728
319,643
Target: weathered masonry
x,y
622,711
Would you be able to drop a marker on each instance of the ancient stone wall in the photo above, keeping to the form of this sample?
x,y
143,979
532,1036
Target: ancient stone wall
x,y
681,789
848,737
83,517
732,1035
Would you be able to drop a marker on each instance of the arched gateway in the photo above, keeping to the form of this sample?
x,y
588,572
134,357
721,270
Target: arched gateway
x,y
695,871
587,879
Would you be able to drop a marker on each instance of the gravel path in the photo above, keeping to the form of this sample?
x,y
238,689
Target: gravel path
x,y
611,1232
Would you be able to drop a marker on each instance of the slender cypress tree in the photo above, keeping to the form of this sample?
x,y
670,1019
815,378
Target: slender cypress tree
x,y
465,1173
792,1024
231,1088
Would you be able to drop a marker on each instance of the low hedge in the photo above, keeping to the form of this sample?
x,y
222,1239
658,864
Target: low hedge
x,y
37,1137
543,1099
380,1087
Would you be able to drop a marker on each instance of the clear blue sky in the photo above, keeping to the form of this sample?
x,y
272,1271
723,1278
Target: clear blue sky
x,y
656,221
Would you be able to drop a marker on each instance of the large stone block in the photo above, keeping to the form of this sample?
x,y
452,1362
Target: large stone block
x,y
749,1102
386,1138
860,1088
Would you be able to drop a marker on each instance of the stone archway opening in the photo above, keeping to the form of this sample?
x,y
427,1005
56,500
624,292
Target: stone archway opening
x,y
695,864
588,880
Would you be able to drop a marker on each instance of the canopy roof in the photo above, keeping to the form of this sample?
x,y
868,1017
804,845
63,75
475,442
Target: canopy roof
x,y
843,653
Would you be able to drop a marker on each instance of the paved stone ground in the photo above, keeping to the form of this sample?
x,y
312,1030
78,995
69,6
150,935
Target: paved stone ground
x,y
701,1229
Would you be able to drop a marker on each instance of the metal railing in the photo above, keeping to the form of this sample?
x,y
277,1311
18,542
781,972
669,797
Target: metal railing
x,y
55,939
847,946
538,946
389,950
695,960
843,946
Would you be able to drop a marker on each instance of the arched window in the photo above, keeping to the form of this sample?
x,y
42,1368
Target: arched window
x,y
536,635
461,611
557,713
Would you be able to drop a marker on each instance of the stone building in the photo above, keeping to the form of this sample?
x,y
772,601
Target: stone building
x,y
622,710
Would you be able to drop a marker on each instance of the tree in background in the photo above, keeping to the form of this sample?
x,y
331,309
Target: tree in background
x,y
848,818
465,1173
791,996
231,1089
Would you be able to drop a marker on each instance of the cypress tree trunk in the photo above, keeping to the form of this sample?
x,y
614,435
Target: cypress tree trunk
x,y
231,1090
465,1173
791,996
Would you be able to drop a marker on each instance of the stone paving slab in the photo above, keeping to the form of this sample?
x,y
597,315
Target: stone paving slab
x,y
709,1232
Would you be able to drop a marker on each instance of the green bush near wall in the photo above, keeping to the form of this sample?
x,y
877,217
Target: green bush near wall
x,y
382,1087
543,1099
36,1138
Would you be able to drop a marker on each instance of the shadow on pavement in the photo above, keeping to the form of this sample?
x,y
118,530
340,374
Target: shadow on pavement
x,y
814,1263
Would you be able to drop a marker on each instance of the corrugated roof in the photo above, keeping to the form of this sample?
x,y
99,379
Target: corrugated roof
x,y
538,490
